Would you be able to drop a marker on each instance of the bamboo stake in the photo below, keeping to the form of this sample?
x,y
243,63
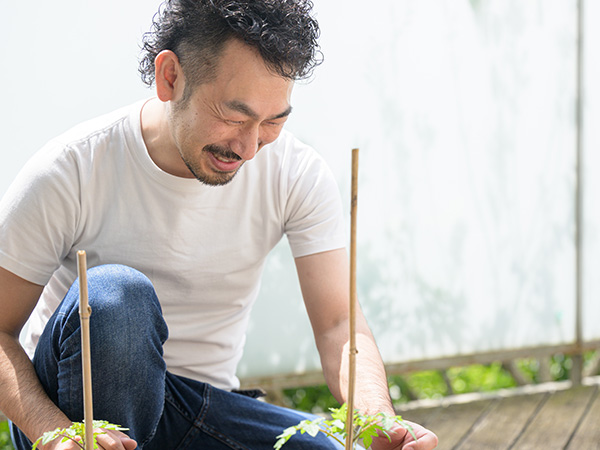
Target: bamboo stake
x,y
353,350
84,314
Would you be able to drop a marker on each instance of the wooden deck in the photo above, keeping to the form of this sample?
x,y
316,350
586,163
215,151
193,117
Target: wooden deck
x,y
549,416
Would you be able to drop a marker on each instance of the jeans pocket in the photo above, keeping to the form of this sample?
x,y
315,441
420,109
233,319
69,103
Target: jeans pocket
x,y
252,393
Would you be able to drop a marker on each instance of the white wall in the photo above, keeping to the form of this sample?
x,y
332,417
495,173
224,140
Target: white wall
x,y
62,63
464,113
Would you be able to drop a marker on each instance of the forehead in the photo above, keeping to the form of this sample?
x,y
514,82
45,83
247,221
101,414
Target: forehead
x,y
243,76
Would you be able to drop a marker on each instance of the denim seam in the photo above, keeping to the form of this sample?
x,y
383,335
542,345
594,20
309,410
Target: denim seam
x,y
67,331
169,398
231,443
197,423
199,426
153,432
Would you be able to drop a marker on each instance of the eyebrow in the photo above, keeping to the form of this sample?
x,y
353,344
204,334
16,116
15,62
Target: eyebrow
x,y
241,107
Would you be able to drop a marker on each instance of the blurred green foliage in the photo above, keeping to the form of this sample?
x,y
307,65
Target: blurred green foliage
x,y
5,442
436,384
419,385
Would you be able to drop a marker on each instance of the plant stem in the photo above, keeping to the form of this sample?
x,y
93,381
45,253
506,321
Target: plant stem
x,y
330,434
74,440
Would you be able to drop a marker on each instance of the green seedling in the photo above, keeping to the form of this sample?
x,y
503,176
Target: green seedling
x,y
366,427
76,433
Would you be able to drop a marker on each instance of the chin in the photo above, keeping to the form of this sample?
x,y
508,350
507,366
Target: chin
x,y
216,179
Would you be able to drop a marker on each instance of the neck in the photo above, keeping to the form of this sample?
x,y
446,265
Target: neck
x,y
158,140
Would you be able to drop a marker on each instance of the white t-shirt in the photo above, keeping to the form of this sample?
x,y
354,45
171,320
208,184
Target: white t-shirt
x,y
95,188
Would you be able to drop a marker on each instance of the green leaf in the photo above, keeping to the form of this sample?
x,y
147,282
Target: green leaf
x,y
338,426
340,413
366,427
74,431
311,427
50,436
410,430
387,421
284,437
368,434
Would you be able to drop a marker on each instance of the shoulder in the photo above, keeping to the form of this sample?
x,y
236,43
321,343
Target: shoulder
x,y
293,157
302,171
107,126
71,157
287,143
87,141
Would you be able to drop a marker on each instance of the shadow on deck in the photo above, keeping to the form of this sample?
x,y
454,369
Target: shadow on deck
x,y
547,416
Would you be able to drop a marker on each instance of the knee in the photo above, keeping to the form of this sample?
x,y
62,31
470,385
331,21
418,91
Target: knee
x,y
118,287
123,300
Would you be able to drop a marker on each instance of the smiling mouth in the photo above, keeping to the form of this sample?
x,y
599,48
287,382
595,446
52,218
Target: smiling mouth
x,y
224,160
225,156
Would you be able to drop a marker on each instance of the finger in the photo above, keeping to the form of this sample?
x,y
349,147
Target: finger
x,y
69,445
392,439
109,441
128,443
426,442
115,440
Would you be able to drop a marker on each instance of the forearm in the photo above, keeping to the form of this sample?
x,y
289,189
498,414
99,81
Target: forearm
x,y
324,281
371,388
22,398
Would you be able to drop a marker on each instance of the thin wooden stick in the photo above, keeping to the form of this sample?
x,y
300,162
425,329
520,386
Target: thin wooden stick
x,y
84,314
353,350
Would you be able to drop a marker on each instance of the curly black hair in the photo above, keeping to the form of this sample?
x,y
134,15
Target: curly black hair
x,y
283,31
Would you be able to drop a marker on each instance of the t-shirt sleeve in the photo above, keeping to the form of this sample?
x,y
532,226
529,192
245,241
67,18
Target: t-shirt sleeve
x,y
314,220
39,215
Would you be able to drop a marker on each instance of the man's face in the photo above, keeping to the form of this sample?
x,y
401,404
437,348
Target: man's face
x,y
224,123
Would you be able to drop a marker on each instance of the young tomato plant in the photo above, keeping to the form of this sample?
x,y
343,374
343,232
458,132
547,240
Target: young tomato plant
x,y
76,433
365,427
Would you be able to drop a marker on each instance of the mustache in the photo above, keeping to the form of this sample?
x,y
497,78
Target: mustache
x,y
222,152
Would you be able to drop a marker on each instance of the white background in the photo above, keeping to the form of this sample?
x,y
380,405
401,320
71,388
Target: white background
x,y
464,112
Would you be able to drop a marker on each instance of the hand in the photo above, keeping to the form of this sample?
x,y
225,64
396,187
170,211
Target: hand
x,y
401,439
108,440
115,440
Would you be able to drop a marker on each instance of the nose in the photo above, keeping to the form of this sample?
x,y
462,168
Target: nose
x,y
248,142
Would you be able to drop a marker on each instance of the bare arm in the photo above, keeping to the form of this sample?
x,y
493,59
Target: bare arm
x,y
325,284
23,399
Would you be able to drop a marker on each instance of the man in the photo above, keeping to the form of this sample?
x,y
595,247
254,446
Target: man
x,y
175,263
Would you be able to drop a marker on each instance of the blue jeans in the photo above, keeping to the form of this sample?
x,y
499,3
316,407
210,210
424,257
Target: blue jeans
x,y
131,386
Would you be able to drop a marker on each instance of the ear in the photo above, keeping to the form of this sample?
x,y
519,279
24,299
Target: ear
x,y
169,78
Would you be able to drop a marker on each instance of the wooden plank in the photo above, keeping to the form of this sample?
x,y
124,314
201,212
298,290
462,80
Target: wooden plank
x,y
452,423
282,380
587,435
503,424
556,421
489,357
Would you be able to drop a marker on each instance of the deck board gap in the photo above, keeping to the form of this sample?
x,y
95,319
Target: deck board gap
x,y
476,422
588,407
538,408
